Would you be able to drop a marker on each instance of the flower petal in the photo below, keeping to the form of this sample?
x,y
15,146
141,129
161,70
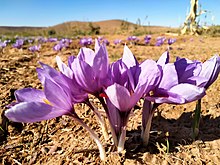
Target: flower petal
x,y
57,95
29,95
86,55
101,64
188,92
28,112
169,77
164,59
128,58
63,68
210,70
120,97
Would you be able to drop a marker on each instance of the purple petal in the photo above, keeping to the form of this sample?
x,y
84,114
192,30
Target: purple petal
x,y
63,68
128,58
84,75
169,77
101,63
28,112
114,116
121,98
150,75
166,97
188,92
29,95
164,59
210,70
56,95
86,55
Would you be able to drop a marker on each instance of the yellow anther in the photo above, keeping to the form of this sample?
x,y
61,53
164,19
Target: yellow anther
x,y
47,101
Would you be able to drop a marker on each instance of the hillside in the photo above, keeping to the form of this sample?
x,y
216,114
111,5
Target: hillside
x,y
84,28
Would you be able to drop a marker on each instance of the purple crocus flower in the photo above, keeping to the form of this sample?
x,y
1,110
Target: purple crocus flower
x,y
42,40
58,47
179,84
147,39
160,41
131,81
86,41
2,45
52,39
18,44
35,105
117,41
170,41
34,48
96,64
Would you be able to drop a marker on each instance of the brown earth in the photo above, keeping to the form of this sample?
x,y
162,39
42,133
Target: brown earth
x,y
63,141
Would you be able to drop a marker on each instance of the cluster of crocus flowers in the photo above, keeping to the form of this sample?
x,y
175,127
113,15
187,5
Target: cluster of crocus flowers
x,y
85,41
18,44
118,86
34,48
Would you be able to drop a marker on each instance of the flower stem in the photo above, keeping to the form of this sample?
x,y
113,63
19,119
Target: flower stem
x,y
114,136
147,116
92,134
100,119
121,142
145,134
196,120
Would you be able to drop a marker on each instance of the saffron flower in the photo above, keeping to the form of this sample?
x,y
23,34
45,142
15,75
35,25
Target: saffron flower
x,y
18,43
147,39
130,81
179,84
57,99
85,41
117,41
170,41
95,63
160,41
52,39
34,48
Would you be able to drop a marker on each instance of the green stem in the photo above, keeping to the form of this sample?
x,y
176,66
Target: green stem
x,y
196,120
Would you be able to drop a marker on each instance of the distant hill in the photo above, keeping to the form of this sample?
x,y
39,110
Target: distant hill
x,y
83,28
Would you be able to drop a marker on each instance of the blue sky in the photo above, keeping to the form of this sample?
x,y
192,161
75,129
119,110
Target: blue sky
x,y
51,12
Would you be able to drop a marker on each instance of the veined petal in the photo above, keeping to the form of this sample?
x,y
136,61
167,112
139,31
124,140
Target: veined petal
x,y
120,97
101,64
86,55
70,60
169,77
164,59
28,112
150,75
119,72
63,68
166,97
128,58
56,95
50,73
29,95
84,75
188,92
210,70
